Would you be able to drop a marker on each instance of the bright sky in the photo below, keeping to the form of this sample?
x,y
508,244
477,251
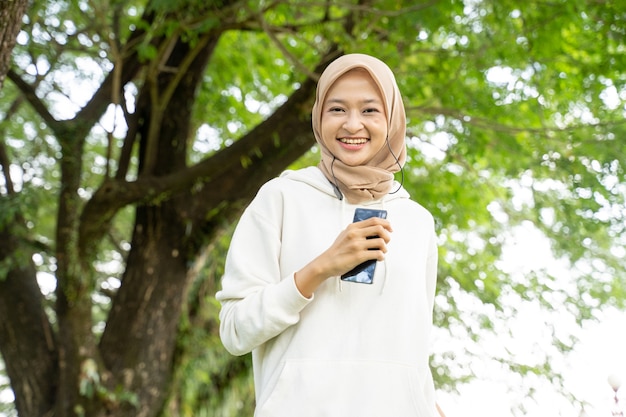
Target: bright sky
x,y
600,354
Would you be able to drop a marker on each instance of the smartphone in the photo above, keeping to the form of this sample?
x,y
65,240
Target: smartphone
x,y
364,273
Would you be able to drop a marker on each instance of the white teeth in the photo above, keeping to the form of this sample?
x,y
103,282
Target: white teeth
x,y
351,141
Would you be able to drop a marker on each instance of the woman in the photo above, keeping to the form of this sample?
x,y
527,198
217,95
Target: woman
x,y
322,345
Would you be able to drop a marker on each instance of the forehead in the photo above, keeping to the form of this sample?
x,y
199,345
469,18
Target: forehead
x,y
356,83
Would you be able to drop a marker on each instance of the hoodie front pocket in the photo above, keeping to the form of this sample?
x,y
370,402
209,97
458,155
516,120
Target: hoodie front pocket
x,y
314,388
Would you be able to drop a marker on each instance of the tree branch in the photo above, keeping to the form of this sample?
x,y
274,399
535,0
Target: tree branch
x,y
499,127
31,96
285,133
5,161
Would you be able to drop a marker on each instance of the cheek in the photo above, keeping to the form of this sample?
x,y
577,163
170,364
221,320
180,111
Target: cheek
x,y
381,127
328,130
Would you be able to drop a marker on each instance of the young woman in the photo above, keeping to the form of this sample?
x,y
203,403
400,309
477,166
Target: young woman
x,y
323,345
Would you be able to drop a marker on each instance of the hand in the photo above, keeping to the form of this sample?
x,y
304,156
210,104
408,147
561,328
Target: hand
x,y
353,246
359,242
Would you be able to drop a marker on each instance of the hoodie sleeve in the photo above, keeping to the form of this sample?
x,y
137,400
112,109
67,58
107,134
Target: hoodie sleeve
x,y
257,303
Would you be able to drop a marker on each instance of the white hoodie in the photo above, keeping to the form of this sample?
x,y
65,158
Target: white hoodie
x,y
352,350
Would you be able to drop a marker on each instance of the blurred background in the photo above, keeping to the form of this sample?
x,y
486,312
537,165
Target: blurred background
x,y
133,133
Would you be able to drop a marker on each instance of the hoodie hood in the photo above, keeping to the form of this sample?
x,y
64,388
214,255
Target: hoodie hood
x,y
314,177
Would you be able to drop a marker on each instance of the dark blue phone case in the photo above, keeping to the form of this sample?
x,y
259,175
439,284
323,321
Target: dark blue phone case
x,y
364,273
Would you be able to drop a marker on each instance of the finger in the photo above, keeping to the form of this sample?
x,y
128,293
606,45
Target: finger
x,y
376,244
375,221
377,231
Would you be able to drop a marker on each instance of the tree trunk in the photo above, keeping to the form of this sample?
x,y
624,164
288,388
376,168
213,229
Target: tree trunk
x,y
28,342
139,341
140,336
11,13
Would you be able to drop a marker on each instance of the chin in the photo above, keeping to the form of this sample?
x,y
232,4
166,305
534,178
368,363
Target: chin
x,y
351,162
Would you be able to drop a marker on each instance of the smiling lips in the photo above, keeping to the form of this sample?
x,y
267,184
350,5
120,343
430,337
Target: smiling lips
x,y
353,141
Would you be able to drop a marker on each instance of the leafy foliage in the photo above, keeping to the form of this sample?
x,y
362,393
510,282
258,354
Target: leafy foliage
x,y
515,124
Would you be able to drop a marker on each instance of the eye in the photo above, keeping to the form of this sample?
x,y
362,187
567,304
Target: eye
x,y
335,110
371,110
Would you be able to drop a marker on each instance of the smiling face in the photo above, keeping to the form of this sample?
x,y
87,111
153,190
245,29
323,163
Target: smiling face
x,y
353,122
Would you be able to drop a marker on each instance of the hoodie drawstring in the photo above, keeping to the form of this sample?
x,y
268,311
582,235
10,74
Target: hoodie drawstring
x,y
341,217
384,264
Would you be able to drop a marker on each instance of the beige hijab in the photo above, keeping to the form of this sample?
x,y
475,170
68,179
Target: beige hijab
x,y
374,179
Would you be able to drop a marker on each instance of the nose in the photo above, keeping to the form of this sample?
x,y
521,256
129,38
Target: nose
x,y
353,122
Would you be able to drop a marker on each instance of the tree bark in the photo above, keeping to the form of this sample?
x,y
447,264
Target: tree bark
x,y
28,343
11,13
139,340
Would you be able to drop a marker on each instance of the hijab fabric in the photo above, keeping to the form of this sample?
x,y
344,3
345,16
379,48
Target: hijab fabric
x,y
374,179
